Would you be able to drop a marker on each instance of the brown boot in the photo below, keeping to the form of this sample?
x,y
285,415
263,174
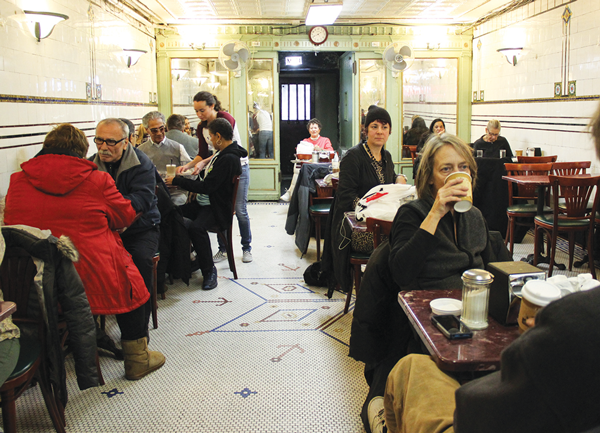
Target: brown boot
x,y
139,361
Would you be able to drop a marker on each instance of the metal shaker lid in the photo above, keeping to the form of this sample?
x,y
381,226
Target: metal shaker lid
x,y
477,276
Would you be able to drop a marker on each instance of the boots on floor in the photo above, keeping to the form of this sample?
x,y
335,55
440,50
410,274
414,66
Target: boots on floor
x,y
139,361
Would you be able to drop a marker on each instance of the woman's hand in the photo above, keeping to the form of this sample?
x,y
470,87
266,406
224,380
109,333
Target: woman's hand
x,y
452,192
401,179
169,180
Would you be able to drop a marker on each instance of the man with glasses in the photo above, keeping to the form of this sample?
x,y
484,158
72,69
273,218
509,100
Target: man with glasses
x,y
163,151
492,142
134,175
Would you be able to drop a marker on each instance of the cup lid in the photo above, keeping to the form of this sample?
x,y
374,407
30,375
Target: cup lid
x,y
540,292
479,276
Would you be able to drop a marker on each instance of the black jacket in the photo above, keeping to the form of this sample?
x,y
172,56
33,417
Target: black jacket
x,y
217,182
135,179
357,177
61,284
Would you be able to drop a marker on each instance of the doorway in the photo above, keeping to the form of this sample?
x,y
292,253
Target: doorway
x,y
308,90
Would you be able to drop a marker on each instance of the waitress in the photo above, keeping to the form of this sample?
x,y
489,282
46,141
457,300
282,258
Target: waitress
x,y
208,108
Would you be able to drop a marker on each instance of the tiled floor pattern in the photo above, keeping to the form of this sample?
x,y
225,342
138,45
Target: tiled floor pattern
x,y
264,353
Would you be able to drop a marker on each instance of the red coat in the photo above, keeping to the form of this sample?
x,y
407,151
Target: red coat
x,y
69,196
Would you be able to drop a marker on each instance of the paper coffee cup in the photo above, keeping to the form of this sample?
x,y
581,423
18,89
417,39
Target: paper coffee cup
x,y
467,201
536,295
171,170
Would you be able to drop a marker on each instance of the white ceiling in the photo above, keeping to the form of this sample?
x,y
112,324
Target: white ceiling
x,y
294,11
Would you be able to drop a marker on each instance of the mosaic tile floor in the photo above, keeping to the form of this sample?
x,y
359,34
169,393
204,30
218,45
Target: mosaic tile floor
x,y
264,353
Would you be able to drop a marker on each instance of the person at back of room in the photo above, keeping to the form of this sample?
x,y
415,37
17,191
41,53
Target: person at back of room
x,y
318,143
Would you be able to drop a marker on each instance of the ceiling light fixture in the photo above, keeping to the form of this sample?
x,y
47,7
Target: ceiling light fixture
x,y
323,12
512,54
41,24
133,55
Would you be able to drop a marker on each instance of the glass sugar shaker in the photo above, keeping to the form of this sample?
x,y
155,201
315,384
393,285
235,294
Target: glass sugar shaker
x,y
475,298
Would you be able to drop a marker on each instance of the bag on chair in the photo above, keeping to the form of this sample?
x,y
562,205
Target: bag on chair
x,y
383,201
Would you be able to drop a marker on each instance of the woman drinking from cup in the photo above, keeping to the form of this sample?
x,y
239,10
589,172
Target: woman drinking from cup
x,y
432,242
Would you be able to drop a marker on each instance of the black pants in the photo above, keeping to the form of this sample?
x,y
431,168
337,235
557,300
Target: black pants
x,y
202,218
143,246
134,324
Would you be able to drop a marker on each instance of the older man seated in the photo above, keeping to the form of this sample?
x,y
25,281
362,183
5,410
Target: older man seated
x,y
163,151
59,190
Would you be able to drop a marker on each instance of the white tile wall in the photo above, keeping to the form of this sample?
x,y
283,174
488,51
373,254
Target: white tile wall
x,y
59,67
557,125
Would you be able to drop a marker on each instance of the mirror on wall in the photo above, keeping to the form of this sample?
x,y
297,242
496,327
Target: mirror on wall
x,y
190,76
260,109
371,83
430,91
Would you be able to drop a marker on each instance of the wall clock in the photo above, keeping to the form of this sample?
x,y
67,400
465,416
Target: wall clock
x,y
318,35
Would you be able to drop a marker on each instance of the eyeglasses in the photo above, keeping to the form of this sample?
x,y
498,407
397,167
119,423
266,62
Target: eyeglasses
x,y
109,141
156,130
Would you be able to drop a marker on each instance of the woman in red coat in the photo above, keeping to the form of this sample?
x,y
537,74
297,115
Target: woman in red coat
x,y
61,191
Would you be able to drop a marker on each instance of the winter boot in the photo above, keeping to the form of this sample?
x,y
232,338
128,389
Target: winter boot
x,y
139,361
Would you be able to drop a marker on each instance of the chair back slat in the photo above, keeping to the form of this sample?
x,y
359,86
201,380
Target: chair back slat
x,y
570,168
16,278
536,159
378,228
576,192
525,192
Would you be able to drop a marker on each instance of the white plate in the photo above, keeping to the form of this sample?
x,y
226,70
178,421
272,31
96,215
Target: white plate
x,y
446,306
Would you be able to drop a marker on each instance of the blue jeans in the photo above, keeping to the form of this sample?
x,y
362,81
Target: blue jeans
x,y
241,211
265,144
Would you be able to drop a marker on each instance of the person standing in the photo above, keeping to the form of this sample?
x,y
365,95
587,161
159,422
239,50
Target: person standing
x,y
492,142
208,108
265,132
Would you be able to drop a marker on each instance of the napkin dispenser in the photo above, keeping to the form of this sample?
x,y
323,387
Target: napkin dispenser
x,y
505,291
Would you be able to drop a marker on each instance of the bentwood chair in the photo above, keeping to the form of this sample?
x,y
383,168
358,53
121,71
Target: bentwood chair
x,y
568,169
577,192
536,159
227,236
522,202
379,228
16,275
318,209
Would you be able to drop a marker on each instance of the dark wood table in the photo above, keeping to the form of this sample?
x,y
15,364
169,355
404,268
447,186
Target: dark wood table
x,y
480,353
6,309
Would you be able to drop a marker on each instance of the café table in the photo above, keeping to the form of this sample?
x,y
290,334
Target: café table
x,y
479,353
6,309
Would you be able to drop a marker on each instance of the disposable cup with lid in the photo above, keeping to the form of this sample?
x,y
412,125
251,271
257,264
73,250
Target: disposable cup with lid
x,y
540,292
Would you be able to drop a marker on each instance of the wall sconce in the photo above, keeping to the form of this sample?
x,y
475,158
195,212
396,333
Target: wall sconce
x,y
133,56
178,73
512,54
41,24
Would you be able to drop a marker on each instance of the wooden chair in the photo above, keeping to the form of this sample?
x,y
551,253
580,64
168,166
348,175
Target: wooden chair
x,y
227,237
413,152
16,275
570,168
536,159
576,217
378,228
524,193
